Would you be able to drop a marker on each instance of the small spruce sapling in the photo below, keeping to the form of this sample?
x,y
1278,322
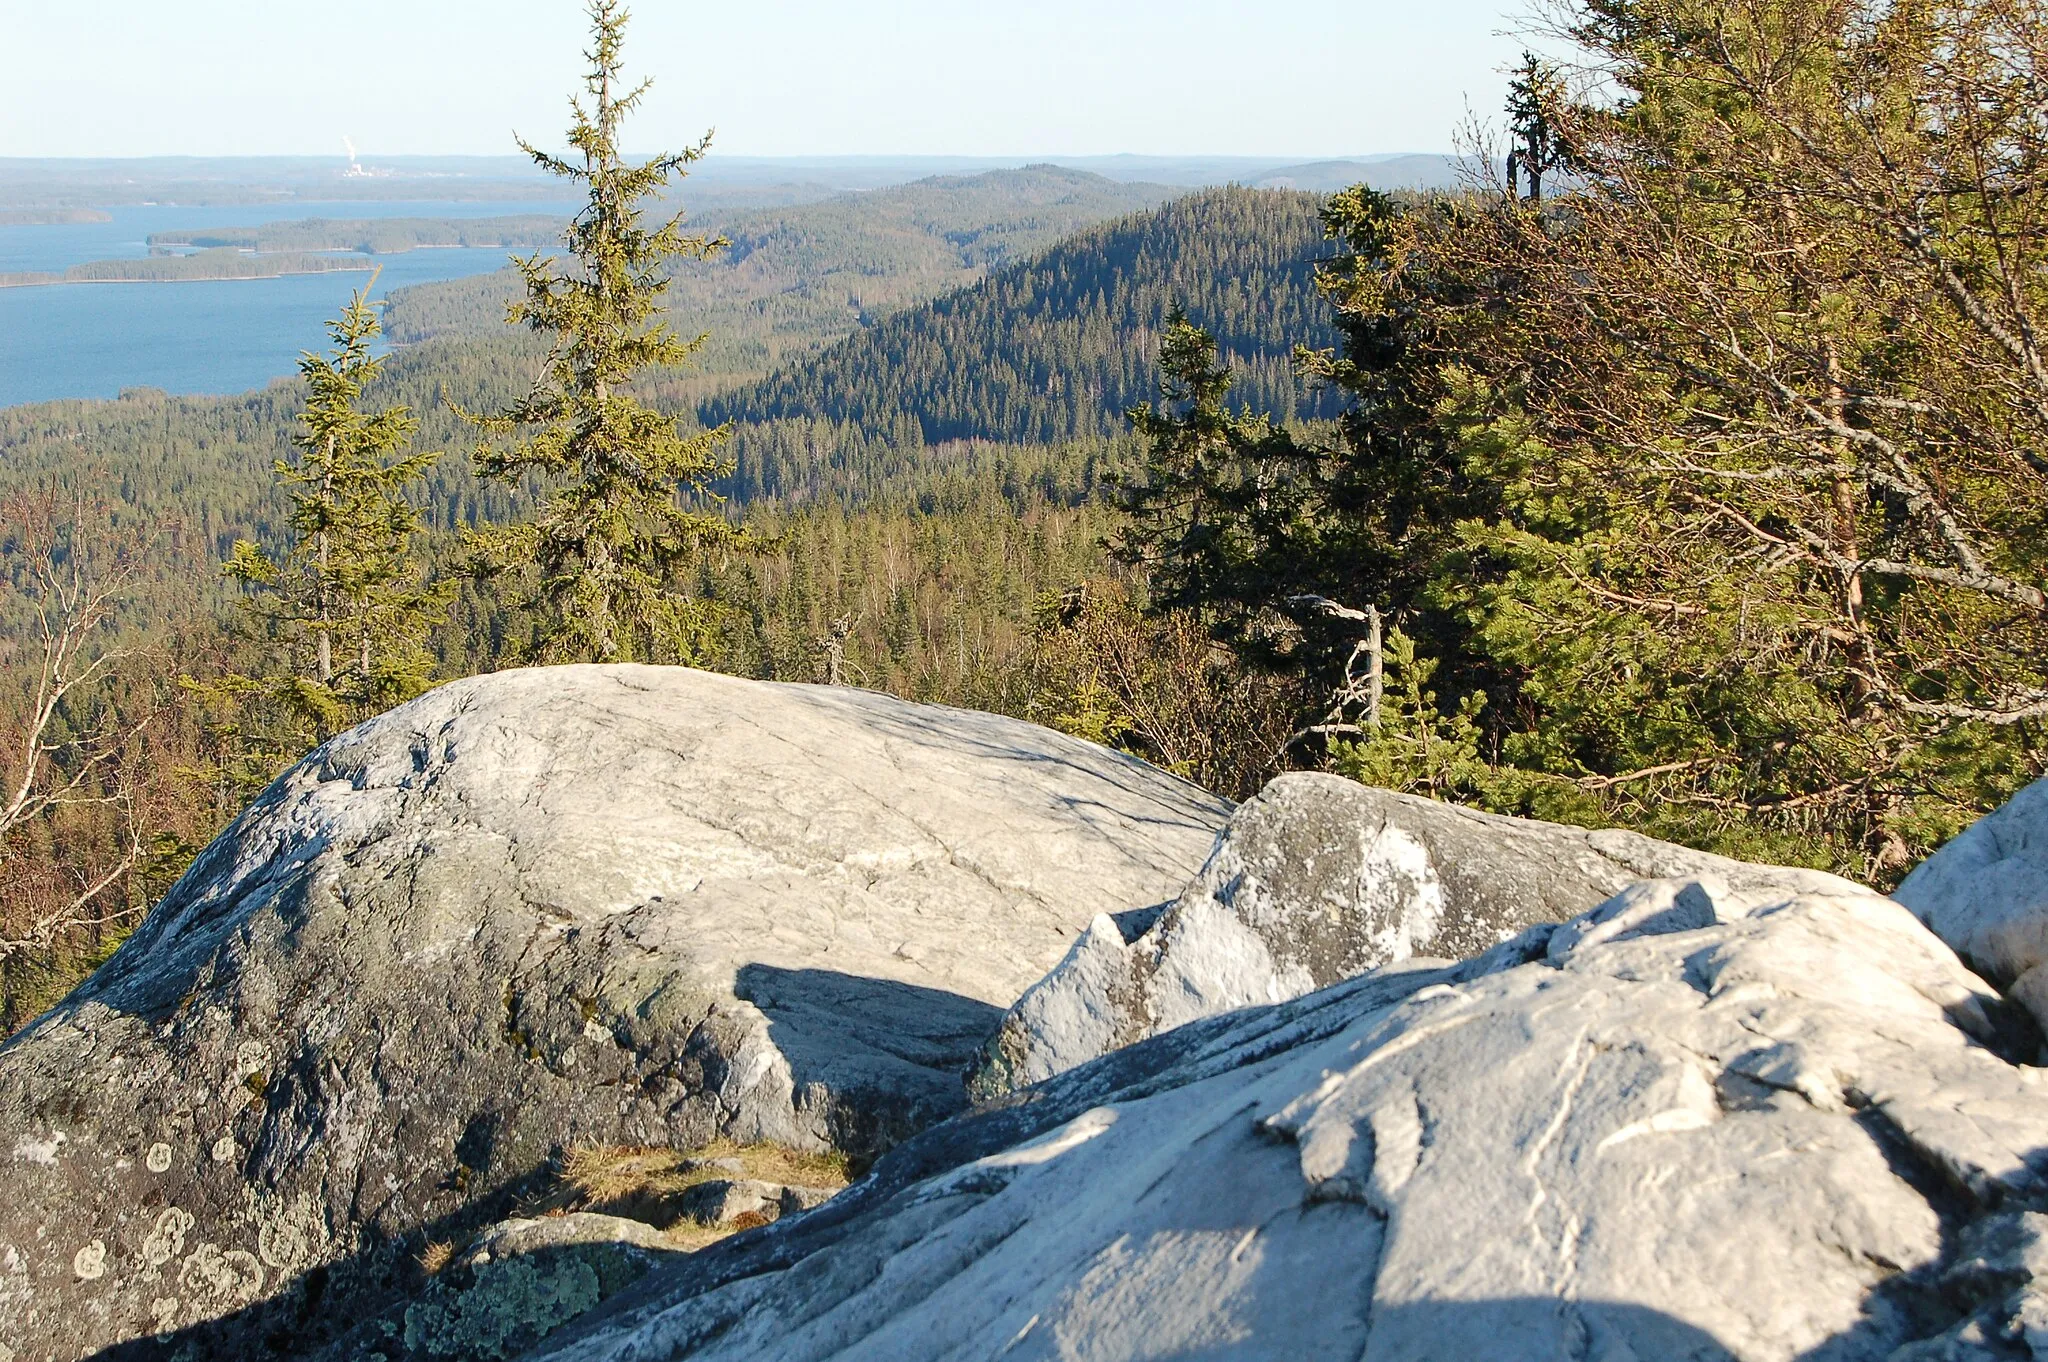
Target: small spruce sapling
x,y
344,612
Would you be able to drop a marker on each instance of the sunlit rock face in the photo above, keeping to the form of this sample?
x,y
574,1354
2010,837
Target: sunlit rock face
x,y
631,905
1704,1120
1986,894
1339,1074
1319,879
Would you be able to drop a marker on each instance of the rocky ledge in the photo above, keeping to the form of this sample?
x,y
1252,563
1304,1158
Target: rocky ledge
x,y
1698,1122
1339,1074
1320,879
527,912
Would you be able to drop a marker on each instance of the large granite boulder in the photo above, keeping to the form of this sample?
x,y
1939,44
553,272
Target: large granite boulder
x,y
1986,894
1316,880
1698,1122
602,905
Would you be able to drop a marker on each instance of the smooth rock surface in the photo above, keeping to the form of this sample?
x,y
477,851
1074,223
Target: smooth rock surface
x,y
1986,894
1316,880
1699,1122
603,905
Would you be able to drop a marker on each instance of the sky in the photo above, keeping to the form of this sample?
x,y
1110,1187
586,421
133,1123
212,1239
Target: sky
x,y
774,77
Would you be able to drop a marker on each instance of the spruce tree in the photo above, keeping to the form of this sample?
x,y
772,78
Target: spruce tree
x,y
1205,498
344,612
628,506
1534,96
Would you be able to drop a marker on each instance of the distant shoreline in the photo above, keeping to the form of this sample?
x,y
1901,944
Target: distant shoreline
x,y
21,281
52,217
371,236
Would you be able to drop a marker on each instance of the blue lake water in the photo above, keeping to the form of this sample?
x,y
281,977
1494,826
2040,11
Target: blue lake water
x,y
203,336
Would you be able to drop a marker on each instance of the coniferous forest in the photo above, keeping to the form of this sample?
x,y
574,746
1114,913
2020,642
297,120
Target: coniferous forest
x,y
1682,470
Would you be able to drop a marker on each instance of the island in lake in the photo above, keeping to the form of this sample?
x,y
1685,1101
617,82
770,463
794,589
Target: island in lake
x,y
51,217
311,246
376,236
221,263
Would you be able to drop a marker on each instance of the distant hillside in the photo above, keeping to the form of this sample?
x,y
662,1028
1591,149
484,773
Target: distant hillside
x,y
955,384
1057,348
1381,172
798,278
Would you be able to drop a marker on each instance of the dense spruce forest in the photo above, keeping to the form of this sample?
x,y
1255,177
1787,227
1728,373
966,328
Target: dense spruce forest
x,y
1680,470
794,278
1066,346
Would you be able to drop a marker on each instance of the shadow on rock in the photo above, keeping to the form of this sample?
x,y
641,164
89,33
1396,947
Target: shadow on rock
x,y
498,1295
885,1059
882,1059
1536,1329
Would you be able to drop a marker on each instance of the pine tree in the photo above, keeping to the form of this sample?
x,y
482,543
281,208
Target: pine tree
x,y
629,506
345,612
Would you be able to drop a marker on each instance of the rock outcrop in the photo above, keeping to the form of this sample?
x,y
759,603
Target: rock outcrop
x,y
1665,1106
1986,894
1699,1122
617,905
1319,879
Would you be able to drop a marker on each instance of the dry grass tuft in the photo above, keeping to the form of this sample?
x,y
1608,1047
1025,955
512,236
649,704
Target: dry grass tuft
x,y
687,1236
436,1256
646,1184
600,1173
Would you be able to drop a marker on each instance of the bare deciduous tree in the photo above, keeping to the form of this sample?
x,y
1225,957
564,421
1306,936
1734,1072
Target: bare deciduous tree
x,y
1788,323
68,749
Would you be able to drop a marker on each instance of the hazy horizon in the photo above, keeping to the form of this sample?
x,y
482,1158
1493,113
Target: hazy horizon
x,y
796,79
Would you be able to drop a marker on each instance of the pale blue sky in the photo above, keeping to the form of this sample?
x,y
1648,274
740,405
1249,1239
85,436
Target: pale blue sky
x,y
776,77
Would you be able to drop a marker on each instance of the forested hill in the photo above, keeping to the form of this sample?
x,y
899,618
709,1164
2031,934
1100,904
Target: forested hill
x,y
1058,347
797,278
1081,347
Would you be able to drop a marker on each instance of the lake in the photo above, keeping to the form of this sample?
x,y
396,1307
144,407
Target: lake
x,y
201,336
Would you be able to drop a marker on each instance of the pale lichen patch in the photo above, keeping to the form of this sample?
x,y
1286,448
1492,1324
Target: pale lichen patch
x,y
90,1262
288,1236
511,1306
167,1240
233,1276
40,1151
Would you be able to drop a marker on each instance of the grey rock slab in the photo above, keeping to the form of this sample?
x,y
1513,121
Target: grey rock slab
x,y
1986,894
577,1229
1698,1121
603,905
797,1200
722,1201
1317,879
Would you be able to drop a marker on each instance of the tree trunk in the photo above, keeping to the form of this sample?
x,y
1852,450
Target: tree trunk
x,y
1375,668
323,602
